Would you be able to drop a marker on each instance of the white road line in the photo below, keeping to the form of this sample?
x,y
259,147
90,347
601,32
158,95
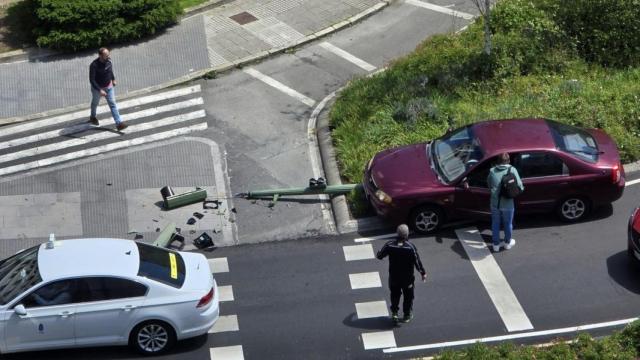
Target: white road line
x,y
440,9
101,136
83,127
358,252
372,309
512,336
378,340
101,110
365,280
347,56
224,324
632,182
226,353
371,238
219,265
280,86
102,149
225,293
494,281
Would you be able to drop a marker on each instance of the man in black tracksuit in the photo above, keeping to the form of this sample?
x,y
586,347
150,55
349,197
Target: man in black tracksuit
x,y
403,257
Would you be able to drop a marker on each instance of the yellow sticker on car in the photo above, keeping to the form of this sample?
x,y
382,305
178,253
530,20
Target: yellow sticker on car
x,y
174,266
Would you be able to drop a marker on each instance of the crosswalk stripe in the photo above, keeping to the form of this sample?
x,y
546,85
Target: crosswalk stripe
x,y
280,86
102,149
224,324
347,56
440,9
378,340
365,280
378,237
372,309
101,136
101,110
494,281
225,293
226,353
219,265
358,252
83,127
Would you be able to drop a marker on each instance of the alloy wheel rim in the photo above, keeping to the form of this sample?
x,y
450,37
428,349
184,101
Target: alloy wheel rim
x,y
152,338
573,209
427,221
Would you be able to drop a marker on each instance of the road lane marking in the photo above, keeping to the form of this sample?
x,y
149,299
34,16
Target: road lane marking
x,y
224,324
226,353
365,280
101,110
85,126
632,182
280,86
378,340
371,238
512,336
219,265
225,293
102,149
494,281
347,56
65,144
358,252
440,9
372,309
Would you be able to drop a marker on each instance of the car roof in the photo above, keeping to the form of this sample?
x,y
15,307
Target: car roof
x,y
499,136
86,257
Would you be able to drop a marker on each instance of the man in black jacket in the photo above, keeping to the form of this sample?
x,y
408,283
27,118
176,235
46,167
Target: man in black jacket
x,y
103,82
403,257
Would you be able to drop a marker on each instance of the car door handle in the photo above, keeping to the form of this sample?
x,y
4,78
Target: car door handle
x,y
128,307
65,314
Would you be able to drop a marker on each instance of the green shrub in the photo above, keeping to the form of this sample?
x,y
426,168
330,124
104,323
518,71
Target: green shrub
x,y
81,24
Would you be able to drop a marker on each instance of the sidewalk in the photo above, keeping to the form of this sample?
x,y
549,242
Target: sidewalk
x,y
217,39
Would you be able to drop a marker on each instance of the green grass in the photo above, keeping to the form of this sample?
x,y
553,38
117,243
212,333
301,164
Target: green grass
x,y
189,3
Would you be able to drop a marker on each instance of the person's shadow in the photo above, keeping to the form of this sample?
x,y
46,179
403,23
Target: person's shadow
x,y
376,323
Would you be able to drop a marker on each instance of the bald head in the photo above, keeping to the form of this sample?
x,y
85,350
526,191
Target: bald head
x,y
403,232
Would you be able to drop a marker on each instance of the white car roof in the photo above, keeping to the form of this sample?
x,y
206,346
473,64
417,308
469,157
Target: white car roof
x,y
85,257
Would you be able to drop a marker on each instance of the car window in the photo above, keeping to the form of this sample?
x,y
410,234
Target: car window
x,y
539,164
18,274
59,292
109,288
161,265
478,176
574,140
455,153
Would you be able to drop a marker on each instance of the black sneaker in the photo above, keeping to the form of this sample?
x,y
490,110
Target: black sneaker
x,y
121,126
93,121
394,317
407,317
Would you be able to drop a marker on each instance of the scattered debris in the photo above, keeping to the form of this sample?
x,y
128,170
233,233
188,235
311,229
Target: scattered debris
x,y
198,215
178,230
203,241
157,229
138,237
192,232
154,220
211,204
233,210
109,184
191,221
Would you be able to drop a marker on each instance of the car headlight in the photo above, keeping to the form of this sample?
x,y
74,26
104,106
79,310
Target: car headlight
x,y
382,196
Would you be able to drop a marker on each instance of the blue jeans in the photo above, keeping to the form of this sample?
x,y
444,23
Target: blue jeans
x,y
506,216
111,100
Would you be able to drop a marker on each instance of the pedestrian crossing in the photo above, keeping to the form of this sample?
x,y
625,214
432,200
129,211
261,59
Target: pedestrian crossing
x,y
67,137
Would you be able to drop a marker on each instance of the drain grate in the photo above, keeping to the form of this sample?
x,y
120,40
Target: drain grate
x,y
243,18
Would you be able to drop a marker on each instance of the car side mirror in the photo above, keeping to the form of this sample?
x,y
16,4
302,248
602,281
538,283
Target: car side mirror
x,y
20,310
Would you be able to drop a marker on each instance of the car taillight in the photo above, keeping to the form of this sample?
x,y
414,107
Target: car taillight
x,y
205,300
616,174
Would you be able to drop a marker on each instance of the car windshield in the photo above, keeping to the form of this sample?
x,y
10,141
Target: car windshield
x,y
161,265
574,141
456,152
18,273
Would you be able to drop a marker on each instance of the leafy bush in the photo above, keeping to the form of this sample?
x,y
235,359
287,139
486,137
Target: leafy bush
x,y
81,24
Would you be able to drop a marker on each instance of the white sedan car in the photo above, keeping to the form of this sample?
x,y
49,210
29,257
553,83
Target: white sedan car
x,y
97,292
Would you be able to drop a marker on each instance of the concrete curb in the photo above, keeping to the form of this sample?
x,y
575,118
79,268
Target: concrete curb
x,y
222,68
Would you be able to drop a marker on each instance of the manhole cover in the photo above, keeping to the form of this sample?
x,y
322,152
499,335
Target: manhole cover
x,y
243,18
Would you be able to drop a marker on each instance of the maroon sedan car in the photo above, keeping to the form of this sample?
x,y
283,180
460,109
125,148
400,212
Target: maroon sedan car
x,y
633,245
564,169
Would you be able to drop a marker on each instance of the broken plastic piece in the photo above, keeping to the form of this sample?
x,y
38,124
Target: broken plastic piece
x,y
191,221
198,215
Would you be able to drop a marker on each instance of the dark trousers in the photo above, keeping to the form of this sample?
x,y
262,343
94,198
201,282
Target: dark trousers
x,y
401,289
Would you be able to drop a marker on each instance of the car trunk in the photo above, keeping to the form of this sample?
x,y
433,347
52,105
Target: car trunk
x,y
609,156
197,273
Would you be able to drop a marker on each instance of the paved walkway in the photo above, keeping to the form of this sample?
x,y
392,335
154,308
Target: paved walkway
x,y
218,39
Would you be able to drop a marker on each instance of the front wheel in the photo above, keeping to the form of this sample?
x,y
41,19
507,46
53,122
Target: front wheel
x,y
426,219
573,209
152,338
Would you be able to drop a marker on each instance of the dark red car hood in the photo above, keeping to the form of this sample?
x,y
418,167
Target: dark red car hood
x,y
403,170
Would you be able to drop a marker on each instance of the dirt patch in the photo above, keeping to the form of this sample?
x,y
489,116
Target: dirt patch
x,y
8,42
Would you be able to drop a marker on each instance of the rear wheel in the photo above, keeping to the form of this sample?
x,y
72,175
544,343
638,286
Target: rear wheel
x,y
426,219
152,338
573,209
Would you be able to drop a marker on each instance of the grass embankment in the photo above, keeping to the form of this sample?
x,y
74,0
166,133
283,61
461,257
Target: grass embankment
x,y
534,70
185,4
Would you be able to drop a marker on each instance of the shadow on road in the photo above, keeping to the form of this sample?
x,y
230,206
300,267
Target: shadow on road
x,y
378,323
624,272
